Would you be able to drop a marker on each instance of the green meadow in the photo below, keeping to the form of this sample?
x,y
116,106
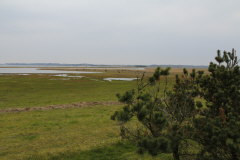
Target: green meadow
x,y
84,133
74,133
41,90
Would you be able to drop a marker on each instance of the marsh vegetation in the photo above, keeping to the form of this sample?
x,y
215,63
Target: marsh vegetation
x,y
162,115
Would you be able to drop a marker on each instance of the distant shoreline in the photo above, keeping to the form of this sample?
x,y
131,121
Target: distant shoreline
x,y
95,65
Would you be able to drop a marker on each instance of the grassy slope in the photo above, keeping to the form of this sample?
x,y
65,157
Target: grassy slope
x,y
83,133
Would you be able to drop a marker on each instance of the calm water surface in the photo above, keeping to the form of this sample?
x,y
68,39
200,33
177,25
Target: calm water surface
x,y
36,70
119,79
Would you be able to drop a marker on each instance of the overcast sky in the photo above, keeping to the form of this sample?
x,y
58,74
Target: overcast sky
x,y
118,31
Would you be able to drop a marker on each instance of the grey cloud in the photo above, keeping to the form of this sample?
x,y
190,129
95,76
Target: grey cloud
x,y
117,32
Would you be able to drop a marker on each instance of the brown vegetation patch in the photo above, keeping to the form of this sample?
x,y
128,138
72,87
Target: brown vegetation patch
x,y
63,106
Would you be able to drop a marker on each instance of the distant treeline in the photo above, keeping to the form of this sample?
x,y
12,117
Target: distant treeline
x,y
101,65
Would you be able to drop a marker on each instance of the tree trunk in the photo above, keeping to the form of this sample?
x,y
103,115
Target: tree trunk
x,y
176,153
234,156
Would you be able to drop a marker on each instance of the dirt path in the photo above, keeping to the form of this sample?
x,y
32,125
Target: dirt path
x,y
62,106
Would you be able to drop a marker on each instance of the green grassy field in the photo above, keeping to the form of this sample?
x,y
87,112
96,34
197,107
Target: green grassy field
x,y
82,133
33,90
76,133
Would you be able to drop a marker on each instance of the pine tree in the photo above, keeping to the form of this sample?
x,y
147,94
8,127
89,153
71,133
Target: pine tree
x,y
164,117
218,126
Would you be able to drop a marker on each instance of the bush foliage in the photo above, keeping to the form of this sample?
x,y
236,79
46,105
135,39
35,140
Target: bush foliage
x,y
177,121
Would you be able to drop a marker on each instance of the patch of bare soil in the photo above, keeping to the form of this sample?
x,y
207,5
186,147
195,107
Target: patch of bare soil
x,y
63,106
